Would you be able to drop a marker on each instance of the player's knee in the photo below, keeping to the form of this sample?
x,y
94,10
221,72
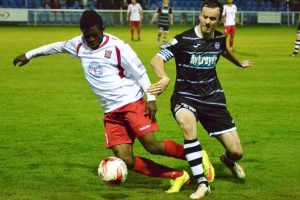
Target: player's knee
x,y
236,154
188,131
129,161
125,156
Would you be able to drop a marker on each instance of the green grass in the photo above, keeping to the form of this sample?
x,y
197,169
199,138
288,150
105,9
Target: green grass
x,y
51,132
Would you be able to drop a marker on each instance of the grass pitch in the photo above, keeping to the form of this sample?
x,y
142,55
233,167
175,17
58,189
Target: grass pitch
x,y
51,132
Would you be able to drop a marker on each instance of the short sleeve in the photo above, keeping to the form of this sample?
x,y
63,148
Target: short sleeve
x,y
170,49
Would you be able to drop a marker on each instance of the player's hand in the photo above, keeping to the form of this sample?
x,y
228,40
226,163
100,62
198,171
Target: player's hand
x,y
159,87
151,110
246,63
21,59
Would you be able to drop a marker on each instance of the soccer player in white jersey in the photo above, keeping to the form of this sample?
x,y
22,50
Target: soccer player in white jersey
x,y
119,79
198,95
135,16
230,17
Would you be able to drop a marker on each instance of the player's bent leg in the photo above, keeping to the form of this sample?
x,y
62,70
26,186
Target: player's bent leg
x,y
234,167
151,144
234,153
124,151
166,148
148,167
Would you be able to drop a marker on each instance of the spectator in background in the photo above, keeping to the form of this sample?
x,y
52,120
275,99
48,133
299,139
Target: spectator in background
x,y
54,4
46,4
70,3
135,17
165,18
124,4
229,18
99,4
84,4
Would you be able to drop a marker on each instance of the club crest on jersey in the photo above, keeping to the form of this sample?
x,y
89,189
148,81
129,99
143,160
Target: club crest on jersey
x,y
107,54
217,45
95,69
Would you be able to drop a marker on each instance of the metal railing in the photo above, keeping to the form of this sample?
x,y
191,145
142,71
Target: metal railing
x,y
118,17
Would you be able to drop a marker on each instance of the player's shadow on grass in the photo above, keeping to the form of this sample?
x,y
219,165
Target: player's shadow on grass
x,y
135,180
223,174
114,196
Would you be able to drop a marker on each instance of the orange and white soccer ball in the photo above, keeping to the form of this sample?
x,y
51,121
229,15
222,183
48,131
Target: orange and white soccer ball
x,y
112,170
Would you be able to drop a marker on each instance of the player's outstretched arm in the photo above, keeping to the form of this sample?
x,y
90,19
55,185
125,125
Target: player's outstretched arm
x,y
243,64
157,64
21,60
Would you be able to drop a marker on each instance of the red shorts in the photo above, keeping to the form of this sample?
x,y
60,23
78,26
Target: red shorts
x,y
124,124
229,30
135,23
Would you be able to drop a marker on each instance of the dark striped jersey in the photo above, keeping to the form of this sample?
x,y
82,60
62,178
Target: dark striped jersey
x,y
164,15
196,59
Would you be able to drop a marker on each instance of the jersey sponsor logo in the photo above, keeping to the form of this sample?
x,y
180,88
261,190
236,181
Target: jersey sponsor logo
x,y
95,69
107,54
217,45
183,105
203,61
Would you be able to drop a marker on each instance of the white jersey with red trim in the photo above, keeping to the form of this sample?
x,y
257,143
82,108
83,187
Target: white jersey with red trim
x,y
135,10
229,12
112,70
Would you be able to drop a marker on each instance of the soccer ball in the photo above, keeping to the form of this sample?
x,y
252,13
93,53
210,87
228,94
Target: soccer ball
x,y
112,170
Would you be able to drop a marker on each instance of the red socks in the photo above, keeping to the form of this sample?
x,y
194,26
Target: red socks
x,y
174,150
150,168
231,42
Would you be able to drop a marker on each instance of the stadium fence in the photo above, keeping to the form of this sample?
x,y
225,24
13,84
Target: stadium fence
x,y
36,17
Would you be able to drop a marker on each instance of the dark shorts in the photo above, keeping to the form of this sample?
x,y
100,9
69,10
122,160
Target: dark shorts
x,y
163,28
215,120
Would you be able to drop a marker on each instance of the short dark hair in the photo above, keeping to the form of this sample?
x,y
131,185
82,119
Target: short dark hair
x,y
213,4
90,18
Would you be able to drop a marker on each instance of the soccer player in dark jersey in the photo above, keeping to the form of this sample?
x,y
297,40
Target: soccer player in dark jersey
x,y
297,42
198,94
165,18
